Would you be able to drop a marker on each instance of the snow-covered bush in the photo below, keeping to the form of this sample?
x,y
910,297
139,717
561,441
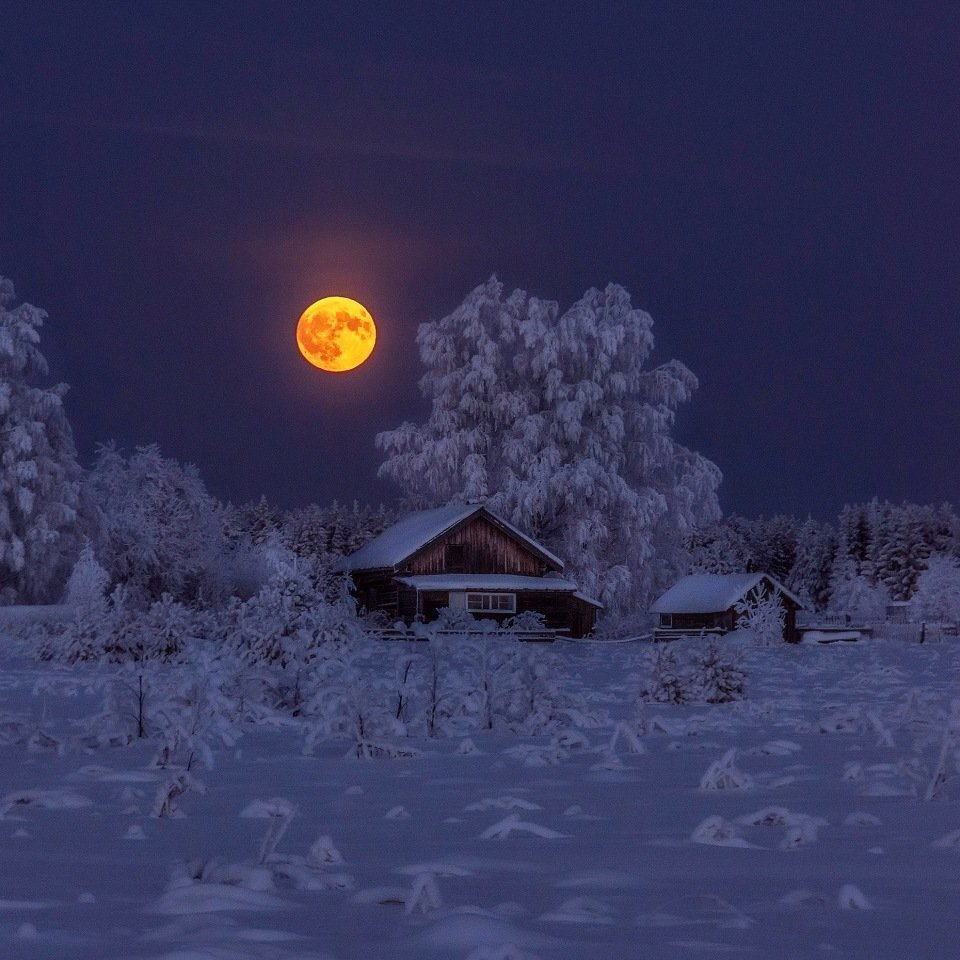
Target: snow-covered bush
x,y
666,681
708,673
157,529
937,596
301,608
717,676
120,630
763,615
88,581
862,600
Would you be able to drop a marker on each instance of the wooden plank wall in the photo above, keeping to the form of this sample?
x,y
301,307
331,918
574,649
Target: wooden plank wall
x,y
487,549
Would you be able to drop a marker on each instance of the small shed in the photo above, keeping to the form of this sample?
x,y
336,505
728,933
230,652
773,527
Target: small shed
x,y
706,602
466,557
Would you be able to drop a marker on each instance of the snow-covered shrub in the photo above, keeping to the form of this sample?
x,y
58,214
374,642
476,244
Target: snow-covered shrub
x,y
948,756
937,596
859,598
157,529
186,709
120,630
88,581
299,610
666,681
689,671
763,615
723,774
353,698
718,676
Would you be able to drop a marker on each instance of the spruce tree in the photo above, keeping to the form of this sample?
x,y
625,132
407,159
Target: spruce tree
x,y
39,475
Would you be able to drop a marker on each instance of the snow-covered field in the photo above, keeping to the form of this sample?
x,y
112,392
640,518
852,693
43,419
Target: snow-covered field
x,y
631,835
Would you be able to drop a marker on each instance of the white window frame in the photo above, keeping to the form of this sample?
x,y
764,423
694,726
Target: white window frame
x,y
491,602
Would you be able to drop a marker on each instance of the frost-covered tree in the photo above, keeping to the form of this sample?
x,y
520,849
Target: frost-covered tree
x,y
88,581
906,540
810,576
763,615
315,532
774,546
39,475
723,547
937,596
158,530
856,596
556,422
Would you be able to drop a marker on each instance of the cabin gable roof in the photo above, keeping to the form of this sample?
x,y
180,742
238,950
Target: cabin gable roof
x,y
416,531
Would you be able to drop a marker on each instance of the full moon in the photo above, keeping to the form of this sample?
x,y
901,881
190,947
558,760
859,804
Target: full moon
x,y
336,333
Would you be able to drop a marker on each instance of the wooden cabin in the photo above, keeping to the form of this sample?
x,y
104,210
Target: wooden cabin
x,y
707,602
465,557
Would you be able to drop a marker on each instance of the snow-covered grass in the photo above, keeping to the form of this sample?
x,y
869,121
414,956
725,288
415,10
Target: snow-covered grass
x,y
794,823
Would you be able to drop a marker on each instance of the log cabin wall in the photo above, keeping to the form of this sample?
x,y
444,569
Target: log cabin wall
x,y
478,547
377,590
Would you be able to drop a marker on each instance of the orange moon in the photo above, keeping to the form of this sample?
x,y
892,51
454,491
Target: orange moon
x,y
336,334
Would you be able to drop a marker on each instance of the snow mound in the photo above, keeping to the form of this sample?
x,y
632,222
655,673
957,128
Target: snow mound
x,y
502,829
717,832
804,898
506,952
775,748
859,818
502,803
473,931
43,800
581,910
851,897
213,898
437,869
723,774
950,842
265,809
599,879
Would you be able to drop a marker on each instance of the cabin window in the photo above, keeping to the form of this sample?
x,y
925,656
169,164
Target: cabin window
x,y
666,619
492,602
455,558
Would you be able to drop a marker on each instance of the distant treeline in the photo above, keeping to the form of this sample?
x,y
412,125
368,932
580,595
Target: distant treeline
x,y
877,545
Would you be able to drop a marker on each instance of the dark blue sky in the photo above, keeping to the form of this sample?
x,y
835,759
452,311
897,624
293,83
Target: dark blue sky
x,y
777,183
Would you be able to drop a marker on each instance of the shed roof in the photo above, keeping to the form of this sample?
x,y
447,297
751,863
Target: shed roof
x,y
416,530
713,592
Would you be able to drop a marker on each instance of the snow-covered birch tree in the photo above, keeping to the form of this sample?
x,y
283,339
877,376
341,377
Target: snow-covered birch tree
x,y
556,422
39,475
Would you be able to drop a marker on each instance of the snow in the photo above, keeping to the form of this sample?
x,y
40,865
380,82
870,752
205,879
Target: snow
x,y
487,581
711,592
792,824
416,530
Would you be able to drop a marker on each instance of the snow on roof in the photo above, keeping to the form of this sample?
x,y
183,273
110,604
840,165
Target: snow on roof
x,y
414,531
487,581
580,595
712,592
406,536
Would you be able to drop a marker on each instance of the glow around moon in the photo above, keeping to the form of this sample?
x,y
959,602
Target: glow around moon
x,y
336,334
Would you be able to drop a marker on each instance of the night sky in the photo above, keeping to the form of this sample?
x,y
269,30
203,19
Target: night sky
x,y
778,184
